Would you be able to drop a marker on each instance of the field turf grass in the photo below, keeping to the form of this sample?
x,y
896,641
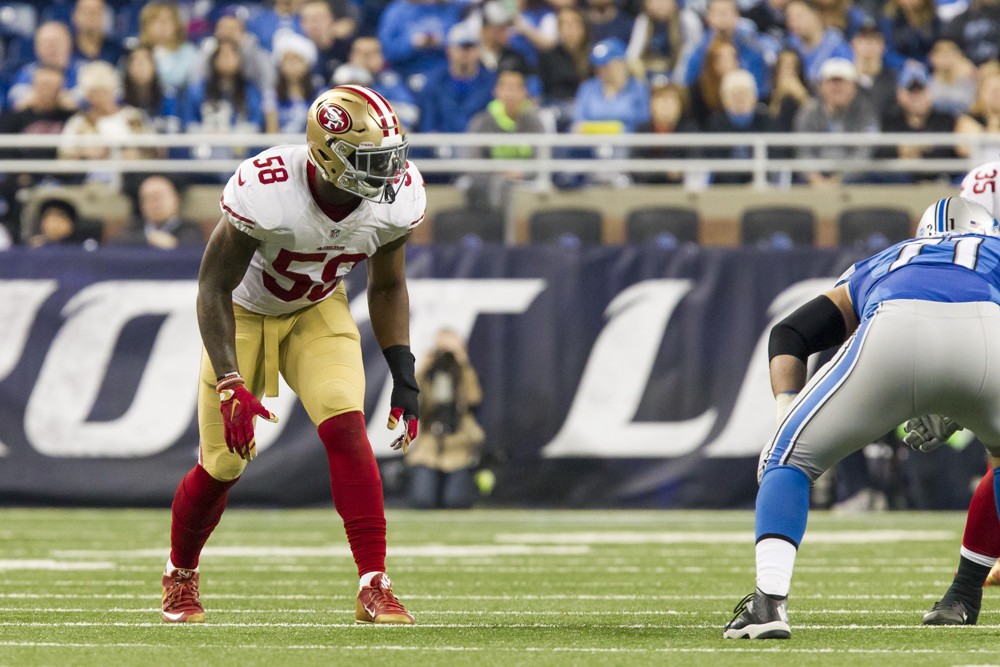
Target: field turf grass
x,y
81,587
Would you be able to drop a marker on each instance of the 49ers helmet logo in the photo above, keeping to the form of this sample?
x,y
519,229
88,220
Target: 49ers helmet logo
x,y
333,118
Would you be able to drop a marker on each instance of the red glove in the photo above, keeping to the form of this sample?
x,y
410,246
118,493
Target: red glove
x,y
239,409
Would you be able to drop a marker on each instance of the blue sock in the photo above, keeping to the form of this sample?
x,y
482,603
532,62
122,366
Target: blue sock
x,y
996,487
783,504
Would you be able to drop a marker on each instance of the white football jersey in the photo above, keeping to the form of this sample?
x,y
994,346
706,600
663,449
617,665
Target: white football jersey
x,y
303,253
982,185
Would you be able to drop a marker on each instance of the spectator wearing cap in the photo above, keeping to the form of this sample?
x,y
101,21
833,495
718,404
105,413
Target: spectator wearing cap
x,y
815,43
366,55
495,35
413,35
838,109
741,113
510,111
90,43
54,49
294,58
723,20
660,34
281,15
977,31
607,21
461,89
914,113
953,78
330,29
613,95
161,29
876,80
910,27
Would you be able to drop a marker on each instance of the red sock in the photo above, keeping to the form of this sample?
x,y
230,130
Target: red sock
x,y
199,502
357,488
982,528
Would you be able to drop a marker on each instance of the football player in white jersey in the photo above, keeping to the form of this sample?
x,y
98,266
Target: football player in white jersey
x,y
981,540
295,220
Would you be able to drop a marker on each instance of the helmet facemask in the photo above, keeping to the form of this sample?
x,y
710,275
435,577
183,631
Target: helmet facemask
x,y
372,172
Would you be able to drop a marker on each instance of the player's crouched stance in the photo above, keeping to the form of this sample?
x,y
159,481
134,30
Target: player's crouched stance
x,y
923,318
295,220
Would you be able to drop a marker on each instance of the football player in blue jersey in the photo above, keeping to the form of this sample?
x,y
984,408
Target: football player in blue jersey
x,y
900,313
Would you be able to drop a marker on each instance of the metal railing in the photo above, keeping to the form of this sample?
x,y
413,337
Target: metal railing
x,y
456,153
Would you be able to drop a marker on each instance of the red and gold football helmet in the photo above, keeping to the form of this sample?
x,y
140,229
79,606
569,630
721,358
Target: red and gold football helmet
x,y
356,142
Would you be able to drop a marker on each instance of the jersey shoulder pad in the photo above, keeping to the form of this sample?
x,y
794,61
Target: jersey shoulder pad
x,y
411,200
257,196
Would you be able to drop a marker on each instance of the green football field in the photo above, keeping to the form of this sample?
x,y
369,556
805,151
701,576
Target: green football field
x,y
81,587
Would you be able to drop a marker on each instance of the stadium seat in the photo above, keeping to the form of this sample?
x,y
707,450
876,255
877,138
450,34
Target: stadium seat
x,y
876,227
571,226
468,224
778,226
662,225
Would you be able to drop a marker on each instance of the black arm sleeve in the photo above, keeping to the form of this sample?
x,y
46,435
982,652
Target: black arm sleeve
x,y
812,328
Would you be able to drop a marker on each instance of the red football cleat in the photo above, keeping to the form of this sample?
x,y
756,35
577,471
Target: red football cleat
x,y
181,603
377,604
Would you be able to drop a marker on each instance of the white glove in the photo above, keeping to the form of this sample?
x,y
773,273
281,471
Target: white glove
x,y
782,402
924,434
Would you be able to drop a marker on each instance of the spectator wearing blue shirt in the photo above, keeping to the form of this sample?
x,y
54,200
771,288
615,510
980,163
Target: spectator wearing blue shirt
x,y
282,15
331,33
613,95
412,33
143,91
607,21
225,101
89,18
723,19
366,53
294,57
814,42
910,27
53,48
460,90
162,30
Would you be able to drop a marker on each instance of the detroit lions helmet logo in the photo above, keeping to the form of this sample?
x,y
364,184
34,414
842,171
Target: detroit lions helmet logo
x,y
333,118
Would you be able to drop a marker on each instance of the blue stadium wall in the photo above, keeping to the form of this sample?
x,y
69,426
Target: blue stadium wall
x,y
612,376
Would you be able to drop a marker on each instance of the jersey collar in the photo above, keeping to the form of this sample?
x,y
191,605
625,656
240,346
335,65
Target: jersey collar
x,y
332,211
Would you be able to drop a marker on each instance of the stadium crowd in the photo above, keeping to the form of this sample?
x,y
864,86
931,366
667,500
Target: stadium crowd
x,y
96,67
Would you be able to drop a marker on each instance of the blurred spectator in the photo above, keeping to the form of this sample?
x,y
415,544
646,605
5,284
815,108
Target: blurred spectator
x,y
875,81
607,21
790,90
565,65
283,14
58,223
495,35
89,21
839,108
613,95
225,101
953,78
103,116
723,19
983,117
914,112
366,53
461,89
159,224
815,42
331,33
258,65
294,56
741,112
144,92
769,18
660,34
844,15
911,26
412,33
509,111
47,108
162,30
535,29
976,31
668,114
53,48
442,461
720,59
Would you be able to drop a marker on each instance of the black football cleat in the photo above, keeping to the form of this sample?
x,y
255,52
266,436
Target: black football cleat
x,y
759,616
952,612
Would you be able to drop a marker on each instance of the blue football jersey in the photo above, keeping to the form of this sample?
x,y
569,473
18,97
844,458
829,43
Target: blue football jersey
x,y
954,268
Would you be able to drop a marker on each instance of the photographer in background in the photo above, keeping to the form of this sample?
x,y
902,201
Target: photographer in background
x,y
443,461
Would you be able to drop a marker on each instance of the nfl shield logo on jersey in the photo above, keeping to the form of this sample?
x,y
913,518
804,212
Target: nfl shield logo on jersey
x,y
333,118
